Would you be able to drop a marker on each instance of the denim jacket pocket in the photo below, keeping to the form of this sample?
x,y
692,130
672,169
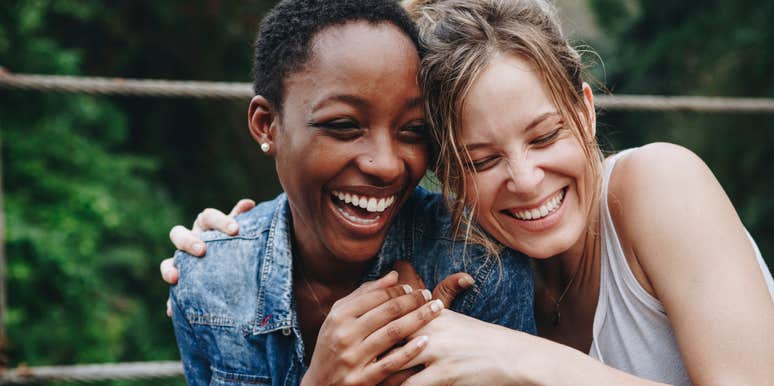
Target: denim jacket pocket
x,y
227,378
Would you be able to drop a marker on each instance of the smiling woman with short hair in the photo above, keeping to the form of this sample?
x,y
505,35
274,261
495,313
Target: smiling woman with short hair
x,y
338,107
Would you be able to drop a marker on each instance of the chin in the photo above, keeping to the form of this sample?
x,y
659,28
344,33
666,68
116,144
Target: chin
x,y
357,252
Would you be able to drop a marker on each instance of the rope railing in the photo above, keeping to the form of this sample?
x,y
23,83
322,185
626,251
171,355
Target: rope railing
x,y
128,87
243,91
91,373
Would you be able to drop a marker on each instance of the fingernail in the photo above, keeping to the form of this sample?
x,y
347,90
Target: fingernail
x,y
427,295
407,289
422,341
392,273
198,248
466,282
232,228
436,305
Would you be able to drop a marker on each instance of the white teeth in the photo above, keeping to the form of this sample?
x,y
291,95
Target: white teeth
x,y
543,211
358,220
370,204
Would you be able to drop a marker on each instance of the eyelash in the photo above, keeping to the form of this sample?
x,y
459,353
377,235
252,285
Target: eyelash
x,y
482,164
343,129
348,129
486,162
414,132
548,138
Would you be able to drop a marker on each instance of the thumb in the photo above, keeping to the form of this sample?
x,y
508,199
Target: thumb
x,y
453,285
242,206
408,275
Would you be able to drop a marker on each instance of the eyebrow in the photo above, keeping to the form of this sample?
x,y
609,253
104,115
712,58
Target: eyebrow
x,y
344,98
362,103
534,123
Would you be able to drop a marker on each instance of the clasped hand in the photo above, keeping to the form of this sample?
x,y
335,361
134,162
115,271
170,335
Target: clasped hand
x,y
363,340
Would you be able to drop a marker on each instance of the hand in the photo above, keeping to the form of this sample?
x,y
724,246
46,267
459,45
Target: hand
x,y
363,326
446,291
467,351
189,241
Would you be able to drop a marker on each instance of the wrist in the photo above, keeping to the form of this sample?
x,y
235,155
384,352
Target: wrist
x,y
543,362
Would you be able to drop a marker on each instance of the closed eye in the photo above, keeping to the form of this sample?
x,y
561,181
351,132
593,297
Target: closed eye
x,y
548,138
484,163
339,128
414,132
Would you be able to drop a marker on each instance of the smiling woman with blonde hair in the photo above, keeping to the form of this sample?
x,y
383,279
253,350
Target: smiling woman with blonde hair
x,y
640,259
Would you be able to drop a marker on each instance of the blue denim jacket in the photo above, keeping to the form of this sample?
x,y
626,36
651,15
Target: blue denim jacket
x,y
234,313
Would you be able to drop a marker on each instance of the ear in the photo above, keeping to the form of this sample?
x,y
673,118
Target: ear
x,y
263,119
588,99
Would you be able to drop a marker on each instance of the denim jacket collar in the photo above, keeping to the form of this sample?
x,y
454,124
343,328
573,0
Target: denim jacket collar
x,y
234,312
275,293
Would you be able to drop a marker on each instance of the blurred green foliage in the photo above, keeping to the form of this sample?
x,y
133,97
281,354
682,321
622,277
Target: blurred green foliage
x,y
92,184
697,47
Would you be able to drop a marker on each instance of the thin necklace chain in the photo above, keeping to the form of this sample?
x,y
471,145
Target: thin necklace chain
x,y
557,314
314,295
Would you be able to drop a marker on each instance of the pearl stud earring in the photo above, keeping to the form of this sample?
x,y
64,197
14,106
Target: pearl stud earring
x,y
265,147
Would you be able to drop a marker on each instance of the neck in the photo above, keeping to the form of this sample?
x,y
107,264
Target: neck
x,y
570,279
313,260
320,278
580,261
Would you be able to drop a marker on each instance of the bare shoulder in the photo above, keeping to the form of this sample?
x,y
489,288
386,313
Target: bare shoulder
x,y
663,183
688,248
664,200
658,169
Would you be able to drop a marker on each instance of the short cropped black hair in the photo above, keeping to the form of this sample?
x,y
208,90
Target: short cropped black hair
x,y
283,42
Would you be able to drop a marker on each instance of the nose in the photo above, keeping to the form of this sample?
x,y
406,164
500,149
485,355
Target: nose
x,y
525,175
381,160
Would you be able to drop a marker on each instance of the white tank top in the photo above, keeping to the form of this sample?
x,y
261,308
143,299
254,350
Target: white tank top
x,y
631,329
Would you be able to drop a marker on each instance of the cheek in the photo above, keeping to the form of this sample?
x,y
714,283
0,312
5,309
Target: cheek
x,y
482,190
567,156
417,158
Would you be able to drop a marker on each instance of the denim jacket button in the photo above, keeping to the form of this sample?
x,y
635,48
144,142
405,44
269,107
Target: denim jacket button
x,y
286,331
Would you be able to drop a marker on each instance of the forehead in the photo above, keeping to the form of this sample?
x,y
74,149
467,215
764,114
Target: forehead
x,y
360,48
507,95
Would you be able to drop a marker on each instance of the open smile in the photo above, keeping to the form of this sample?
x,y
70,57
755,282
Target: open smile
x,y
537,213
542,216
362,213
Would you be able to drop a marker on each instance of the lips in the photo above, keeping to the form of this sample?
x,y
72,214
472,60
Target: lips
x,y
362,210
370,204
549,206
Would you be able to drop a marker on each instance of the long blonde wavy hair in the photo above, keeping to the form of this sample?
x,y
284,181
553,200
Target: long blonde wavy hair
x,y
459,38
